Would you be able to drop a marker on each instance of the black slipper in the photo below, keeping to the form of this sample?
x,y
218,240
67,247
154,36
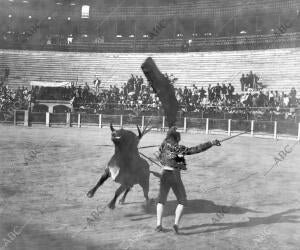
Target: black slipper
x,y
159,229
175,228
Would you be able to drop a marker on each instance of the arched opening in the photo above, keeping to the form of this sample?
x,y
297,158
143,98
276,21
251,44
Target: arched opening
x,y
61,109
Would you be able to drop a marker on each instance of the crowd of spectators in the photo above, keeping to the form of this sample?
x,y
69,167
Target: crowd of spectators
x,y
193,99
133,95
250,81
11,100
136,96
221,100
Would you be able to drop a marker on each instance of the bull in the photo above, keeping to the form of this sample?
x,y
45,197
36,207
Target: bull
x,y
125,166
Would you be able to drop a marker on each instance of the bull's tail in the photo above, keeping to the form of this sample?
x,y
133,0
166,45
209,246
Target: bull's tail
x,y
156,174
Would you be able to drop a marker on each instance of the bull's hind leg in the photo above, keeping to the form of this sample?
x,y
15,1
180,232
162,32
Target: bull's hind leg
x,y
103,178
145,186
119,191
122,200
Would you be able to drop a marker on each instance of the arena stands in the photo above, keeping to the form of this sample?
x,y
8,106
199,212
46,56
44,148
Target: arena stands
x,y
278,69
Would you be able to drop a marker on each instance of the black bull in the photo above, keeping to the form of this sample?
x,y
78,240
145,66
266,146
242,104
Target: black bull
x,y
125,166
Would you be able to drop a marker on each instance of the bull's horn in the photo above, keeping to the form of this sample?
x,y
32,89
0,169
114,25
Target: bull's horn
x,y
111,127
140,133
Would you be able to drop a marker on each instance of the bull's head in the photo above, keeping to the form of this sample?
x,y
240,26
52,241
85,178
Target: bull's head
x,y
127,139
124,140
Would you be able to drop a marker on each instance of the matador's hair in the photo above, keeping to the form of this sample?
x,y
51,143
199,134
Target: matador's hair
x,y
172,135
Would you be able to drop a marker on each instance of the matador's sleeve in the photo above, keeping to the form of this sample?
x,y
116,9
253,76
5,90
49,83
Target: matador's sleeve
x,y
194,150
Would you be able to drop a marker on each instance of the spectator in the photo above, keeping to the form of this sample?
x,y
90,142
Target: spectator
x,y
218,92
202,93
293,94
271,99
97,83
255,81
281,99
48,41
210,93
230,91
260,99
276,98
286,101
243,82
251,80
70,39
224,91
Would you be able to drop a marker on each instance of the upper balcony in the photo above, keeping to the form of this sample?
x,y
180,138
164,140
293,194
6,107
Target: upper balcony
x,y
115,11
206,8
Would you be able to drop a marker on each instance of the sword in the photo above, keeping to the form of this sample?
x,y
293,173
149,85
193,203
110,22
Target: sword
x,y
148,158
231,137
152,146
107,145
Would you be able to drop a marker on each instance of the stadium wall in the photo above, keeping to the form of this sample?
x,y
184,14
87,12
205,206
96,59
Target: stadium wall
x,y
279,69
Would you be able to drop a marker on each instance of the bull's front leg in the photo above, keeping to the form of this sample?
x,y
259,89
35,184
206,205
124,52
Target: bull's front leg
x,y
103,178
120,190
122,200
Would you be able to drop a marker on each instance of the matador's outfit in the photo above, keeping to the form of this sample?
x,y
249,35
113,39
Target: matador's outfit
x,y
171,156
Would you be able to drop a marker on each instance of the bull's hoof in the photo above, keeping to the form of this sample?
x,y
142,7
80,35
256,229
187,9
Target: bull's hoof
x,y
111,205
90,194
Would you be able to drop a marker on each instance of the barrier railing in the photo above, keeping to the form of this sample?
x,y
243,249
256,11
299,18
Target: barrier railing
x,y
273,129
196,123
37,118
287,128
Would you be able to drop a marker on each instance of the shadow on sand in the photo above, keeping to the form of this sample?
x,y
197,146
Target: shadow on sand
x,y
205,206
193,207
283,217
35,237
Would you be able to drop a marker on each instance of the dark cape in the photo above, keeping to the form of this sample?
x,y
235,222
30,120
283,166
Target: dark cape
x,y
163,88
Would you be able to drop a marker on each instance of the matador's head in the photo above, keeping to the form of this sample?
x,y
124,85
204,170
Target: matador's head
x,y
173,136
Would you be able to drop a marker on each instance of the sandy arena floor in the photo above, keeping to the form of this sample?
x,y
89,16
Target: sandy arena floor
x,y
46,173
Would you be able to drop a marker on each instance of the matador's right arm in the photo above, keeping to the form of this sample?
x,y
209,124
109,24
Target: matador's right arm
x,y
197,149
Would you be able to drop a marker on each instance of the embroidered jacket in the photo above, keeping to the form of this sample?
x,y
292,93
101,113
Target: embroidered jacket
x,y
172,155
